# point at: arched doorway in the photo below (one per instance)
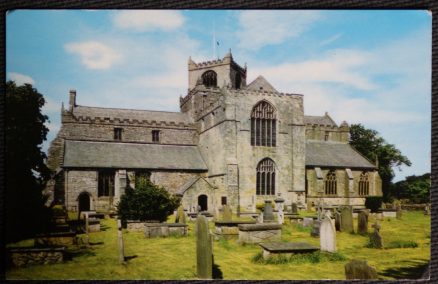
(84, 202)
(202, 202)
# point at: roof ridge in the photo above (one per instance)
(145, 110)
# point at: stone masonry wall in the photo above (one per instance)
(78, 182)
(171, 180)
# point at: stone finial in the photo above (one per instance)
(72, 99)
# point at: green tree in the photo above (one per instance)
(26, 172)
(414, 188)
(370, 144)
(146, 202)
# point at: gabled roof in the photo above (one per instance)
(86, 154)
(189, 184)
(334, 154)
(149, 115)
(260, 83)
(319, 120)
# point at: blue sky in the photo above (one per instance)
(370, 67)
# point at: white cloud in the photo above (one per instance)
(147, 20)
(20, 79)
(51, 107)
(260, 28)
(331, 39)
(94, 54)
(338, 66)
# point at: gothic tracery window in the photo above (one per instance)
(364, 184)
(209, 78)
(330, 185)
(265, 184)
(263, 125)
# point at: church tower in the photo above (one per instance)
(217, 73)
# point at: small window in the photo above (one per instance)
(224, 200)
(118, 134)
(155, 136)
(105, 183)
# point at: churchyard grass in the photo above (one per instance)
(175, 257)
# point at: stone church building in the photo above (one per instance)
(232, 142)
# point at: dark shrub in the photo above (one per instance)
(146, 202)
(373, 203)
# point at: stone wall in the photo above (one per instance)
(347, 189)
(319, 132)
(78, 182)
(171, 180)
(19, 257)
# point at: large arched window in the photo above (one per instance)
(263, 125)
(330, 183)
(364, 184)
(265, 177)
(209, 78)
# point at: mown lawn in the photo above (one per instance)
(175, 257)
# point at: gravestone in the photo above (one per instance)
(120, 242)
(279, 202)
(327, 235)
(309, 206)
(362, 223)
(337, 220)
(359, 269)
(260, 218)
(398, 212)
(307, 222)
(315, 228)
(227, 213)
(294, 208)
(204, 250)
(347, 219)
(87, 230)
(180, 215)
(375, 238)
(426, 210)
(268, 216)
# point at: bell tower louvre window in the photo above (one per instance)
(209, 78)
(263, 125)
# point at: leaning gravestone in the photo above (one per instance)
(227, 213)
(327, 235)
(180, 215)
(398, 212)
(315, 228)
(120, 242)
(359, 269)
(204, 250)
(337, 220)
(362, 223)
(375, 238)
(347, 219)
(268, 216)
(294, 208)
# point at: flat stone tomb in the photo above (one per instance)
(277, 248)
(229, 227)
(257, 233)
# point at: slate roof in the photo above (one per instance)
(319, 120)
(334, 154)
(132, 114)
(86, 154)
(261, 82)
